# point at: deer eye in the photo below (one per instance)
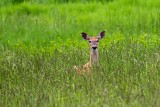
(97, 41)
(89, 41)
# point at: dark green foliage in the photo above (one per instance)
(18, 1)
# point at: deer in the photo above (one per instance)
(93, 46)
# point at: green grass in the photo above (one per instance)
(41, 42)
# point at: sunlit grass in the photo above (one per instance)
(40, 44)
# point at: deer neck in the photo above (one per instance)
(93, 57)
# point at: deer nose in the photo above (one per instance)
(95, 47)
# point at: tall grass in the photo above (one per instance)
(41, 42)
(128, 75)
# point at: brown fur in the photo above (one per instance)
(93, 44)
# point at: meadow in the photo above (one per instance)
(40, 42)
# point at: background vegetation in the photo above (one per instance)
(40, 42)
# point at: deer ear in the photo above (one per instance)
(85, 36)
(101, 35)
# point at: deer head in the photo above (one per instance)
(93, 41)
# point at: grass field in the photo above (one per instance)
(40, 42)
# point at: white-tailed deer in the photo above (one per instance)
(93, 44)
